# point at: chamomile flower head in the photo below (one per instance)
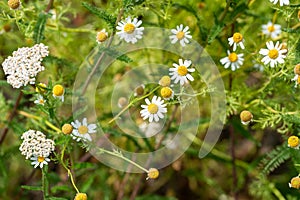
(153, 173)
(273, 55)
(40, 100)
(246, 117)
(129, 30)
(297, 69)
(81, 196)
(165, 81)
(294, 142)
(180, 34)
(233, 60)
(41, 88)
(167, 93)
(101, 36)
(295, 182)
(271, 30)
(236, 40)
(122, 102)
(14, 4)
(139, 90)
(67, 129)
(281, 2)
(180, 72)
(36, 144)
(39, 161)
(82, 130)
(24, 65)
(154, 110)
(58, 91)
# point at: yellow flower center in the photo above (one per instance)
(237, 37)
(180, 35)
(42, 101)
(299, 14)
(58, 90)
(101, 36)
(153, 173)
(165, 81)
(83, 129)
(233, 57)
(139, 90)
(271, 28)
(40, 159)
(67, 129)
(295, 182)
(273, 53)
(293, 141)
(182, 70)
(80, 196)
(129, 28)
(152, 108)
(14, 4)
(166, 92)
(298, 80)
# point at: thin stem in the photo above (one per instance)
(12, 115)
(89, 78)
(49, 6)
(64, 165)
(45, 183)
(234, 174)
(132, 103)
(222, 16)
(119, 155)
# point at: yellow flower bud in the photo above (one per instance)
(246, 117)
(14, 4)
(165, 81)
(297, 69)
(67, 129)
(80, 196)
(293, 142)
(153, 173)
(295, 183)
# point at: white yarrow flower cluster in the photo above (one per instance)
(36, 144)
(23, 66)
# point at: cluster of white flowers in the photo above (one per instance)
(35, 144)
(23, 66)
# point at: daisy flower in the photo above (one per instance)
(236, 40)
(154, 109)
(129, 30)
(101, 36)
(181, 34)
(83, 130)
(234, 60)
(40, 100)
(281, 2)
(58, 91)
(180, 73)
(274, 54)
(39, 161)
(272, 30)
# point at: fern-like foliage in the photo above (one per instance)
(274, 159)
(129, 4)
(38, 34)
(108, 18)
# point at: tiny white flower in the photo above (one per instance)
(129, 30)
(274, 54)
(272, 30)
(40, 100)
(180, 73)
(154, 109)
(101, 36)
(181, 34)
(83, 130)
(236, 40)
(39, 161)
(233, 60)
(281, 2)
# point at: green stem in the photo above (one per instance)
(119, 155)
(45, 183)
(132, 103)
